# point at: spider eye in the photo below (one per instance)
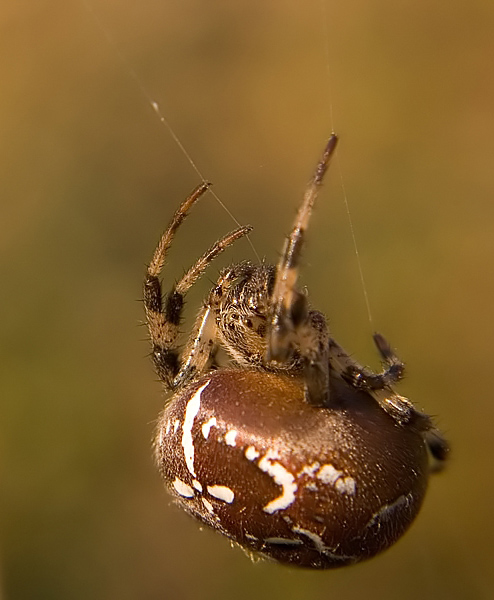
(314, 487)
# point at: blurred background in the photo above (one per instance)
(89, 178)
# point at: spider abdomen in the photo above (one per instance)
(242, 451)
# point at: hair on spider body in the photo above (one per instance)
(294, 451)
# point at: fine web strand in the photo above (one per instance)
(157, 110)
(355, 245)
(324, 10)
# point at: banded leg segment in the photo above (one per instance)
(378, 385)
(204, 340)
(363, 378)
(159, 256)
(289, 316)
(288, 305)
(157, 317)
(314, 350)
(163, 316)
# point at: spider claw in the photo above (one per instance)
(383, 346)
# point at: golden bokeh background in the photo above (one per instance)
(89, 178)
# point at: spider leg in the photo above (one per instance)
(438, 447)
(363, 378)
(313, 340)
(378, 385)
(159, 256)
(290, 325)
(201, 347)
(395, 367)
(153, 298)
(163, 315)
(288, 305)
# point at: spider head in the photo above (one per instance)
(242, 316)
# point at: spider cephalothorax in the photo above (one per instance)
(292, 449)
(242, 311)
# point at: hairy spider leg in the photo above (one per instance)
(159, 256)
(395, 367)
(363, 378)
(202, 343)
(157, 319)
(163, 317)
(313, 342)
(290, 319)
(438, 447)
(378, 385)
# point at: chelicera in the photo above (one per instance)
(291, 449)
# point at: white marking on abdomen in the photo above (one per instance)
(319, 544)
(251, 453)
(345, 485)
(283, 541)
(309, 469)
(387, 510)
(315, 539)
(230, 437)
(191, 411)
(182, 488)
(281, 477)
(206, 427)
(222, 493)
(161, 437)
(208, 505)
(328, 474)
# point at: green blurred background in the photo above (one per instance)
(89, 178)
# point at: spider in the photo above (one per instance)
(293, 450)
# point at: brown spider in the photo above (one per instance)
(315, 460)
